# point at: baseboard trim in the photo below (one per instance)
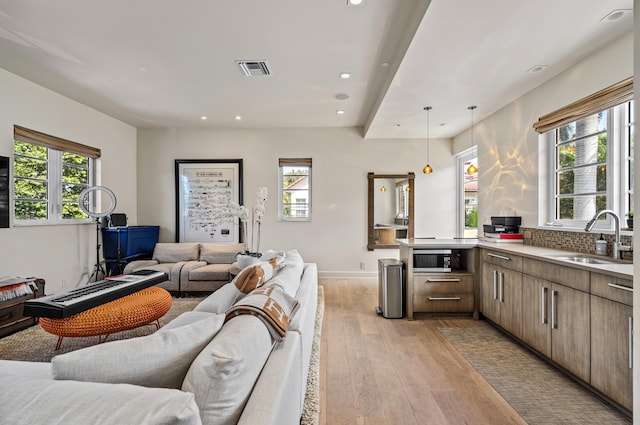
(348, 275)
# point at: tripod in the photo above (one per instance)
(97, 269)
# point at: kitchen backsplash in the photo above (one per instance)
(572, 241)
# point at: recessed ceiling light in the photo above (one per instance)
(537, 68)
(340, 112)
(354, 2)
(442, 124)
(396, 124)
(614, 15)
(384, 64)
(238, 117)
(345, 75)
(142, 69)
(342, 96)
(203, 118)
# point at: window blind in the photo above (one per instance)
(53, 142)
(306, 162)
(609, 97)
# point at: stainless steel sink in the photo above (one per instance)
(580, 259)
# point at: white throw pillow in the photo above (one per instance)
(27, 401)
(157, 360)
(224, 373)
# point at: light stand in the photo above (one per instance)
(89, 204)
(97, 268)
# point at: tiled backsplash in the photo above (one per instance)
(572, 241)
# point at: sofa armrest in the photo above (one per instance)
(138, 265)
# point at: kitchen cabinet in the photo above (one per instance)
(611, 337)
(501, 290)
(443, 292)
(556, 317)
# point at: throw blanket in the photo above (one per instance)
(14, 287)
(269, 304)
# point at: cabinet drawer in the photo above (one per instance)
(444, 283)
(499, 258)
(569, 276)
(612, 288)
(443, 303)
(11, 314)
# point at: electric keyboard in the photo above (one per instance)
(67, 304)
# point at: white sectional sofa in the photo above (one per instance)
(198, 369)
(192, 266)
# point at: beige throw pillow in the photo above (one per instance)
(158, 360)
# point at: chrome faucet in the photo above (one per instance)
(617, 245)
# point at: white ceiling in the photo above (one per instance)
(163, 63)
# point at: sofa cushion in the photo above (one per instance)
(174, 252)
(44, 401)
(138, 360)
(211, 272)
(224, 373)
(289, 273)
(220, 300)
(220, 253)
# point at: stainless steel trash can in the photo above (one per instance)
(390, 288)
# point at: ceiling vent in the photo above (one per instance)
(254, 68)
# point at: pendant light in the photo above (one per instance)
(383, 188)
(472, 168)
(427, 168)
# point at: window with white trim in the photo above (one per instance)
(590, 160)
(294, 177)
(49, 174)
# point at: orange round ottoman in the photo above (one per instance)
(129, 312)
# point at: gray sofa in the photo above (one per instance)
(199, 368)
(192, 266)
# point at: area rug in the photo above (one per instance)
(36, 345)
(537, 391)
(311, 410)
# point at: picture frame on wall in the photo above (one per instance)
(203, 188)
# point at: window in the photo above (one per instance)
(49, 174)
(295, 189)
(467, 196)
(589, 158)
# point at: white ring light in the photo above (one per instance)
(84, 201)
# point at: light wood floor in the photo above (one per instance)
(394, 371)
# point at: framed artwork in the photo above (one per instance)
(203, 188)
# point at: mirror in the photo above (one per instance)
(390, 209)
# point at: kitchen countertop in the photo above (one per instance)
(622, 269)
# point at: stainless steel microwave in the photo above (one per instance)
(431, 260)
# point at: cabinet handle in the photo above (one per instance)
(631, 342)
(623, 287)
(501, 278)
(443, 279)
(501, 257)
(444, 298)
(543, 305)
(495, 284)
(554, 323)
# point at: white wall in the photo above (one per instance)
(336, 238)
(508, 145)
(62, 253)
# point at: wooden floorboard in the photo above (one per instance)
(377, 371)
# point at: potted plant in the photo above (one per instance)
(630, 219)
